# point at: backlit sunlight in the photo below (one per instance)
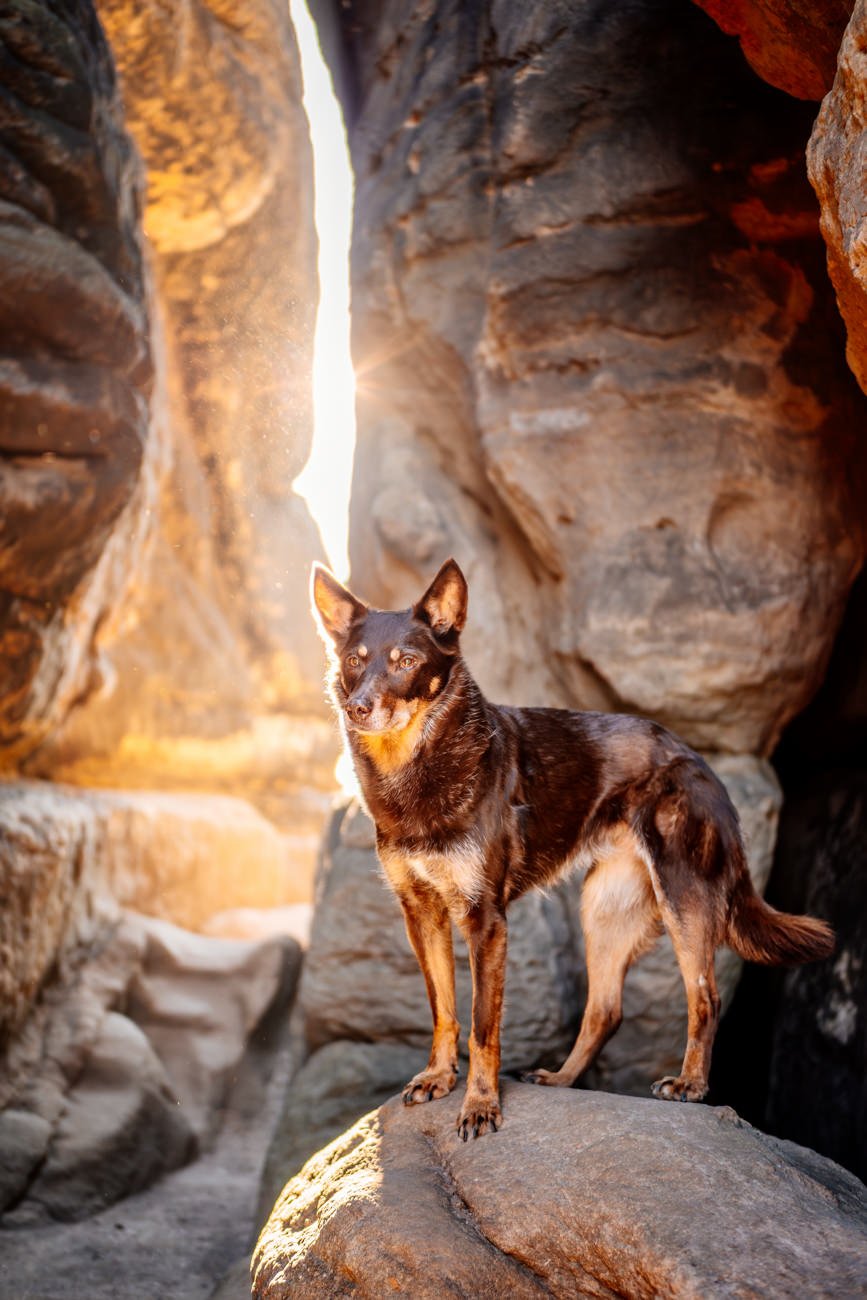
(324, 481)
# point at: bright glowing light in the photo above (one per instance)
(324, 481)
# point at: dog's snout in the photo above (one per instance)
(360, 710)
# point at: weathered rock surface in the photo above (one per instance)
(819, 1045)
(122, 1072)
(212, 680)
(69, 857)
(176, 1239)
(596, 359)
(75, 363)
(790, 43)
(579, 1194)
(363, 1011)
(835, 160)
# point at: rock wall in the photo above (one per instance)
(155, 389)
(213, 677)
(835, 159)
(597, 358)
(75, 364)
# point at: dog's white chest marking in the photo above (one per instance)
(457, 870)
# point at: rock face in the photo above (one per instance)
(75, 363)
(791, 45)
(213, 679)
(69, 858)
(835, 159)
(579, 1194)
(596, 359)
(96, 1103)
(364, 1014)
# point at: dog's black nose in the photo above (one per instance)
(360, 710)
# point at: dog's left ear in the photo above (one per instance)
(336, 609)
(444, 604)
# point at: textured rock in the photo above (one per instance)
(835, 160)
(68, 857)
(96, 1104)
(596, 359)
(120, 1129)
(198, 1000)
(75, 363)
(55, 901)
(819, 1047)
(790, 43)
(213, 677)
(579, 1193)
(185, 857)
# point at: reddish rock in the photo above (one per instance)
(836, 165)
(790, 43)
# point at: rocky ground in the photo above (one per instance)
(178, 1239)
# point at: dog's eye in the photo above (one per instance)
(408, 661)
(352, 661)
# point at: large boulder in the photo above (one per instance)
(579, 1194)
(76, 475)
(835, 159)
(597, 358)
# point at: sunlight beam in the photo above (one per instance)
(324, 482)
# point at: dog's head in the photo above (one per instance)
(390, 666)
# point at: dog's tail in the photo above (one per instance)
(758, 932)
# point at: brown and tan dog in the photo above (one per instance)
(475, 803)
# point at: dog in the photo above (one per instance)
(475, 803)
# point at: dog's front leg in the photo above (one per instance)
(484, 929)
(429, 929)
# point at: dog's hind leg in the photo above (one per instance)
(693, 934)
(621, 921)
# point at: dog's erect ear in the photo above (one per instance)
(336, 609)
(444, 604)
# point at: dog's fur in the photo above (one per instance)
(476, 803)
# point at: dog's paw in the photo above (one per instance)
(671, 1089)
(428, 1086)
(545, 1078)
(480, 1112)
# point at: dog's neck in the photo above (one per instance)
(431, 765)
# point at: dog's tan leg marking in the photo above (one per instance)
(694, 947)
(428, 926)
(485, 932)
(620, 920)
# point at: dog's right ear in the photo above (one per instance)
(335, 608)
